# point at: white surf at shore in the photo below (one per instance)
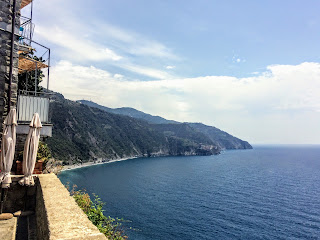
(89, 164)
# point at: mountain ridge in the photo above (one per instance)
(220, 138)
(128, 111)
(82, 133)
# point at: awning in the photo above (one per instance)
(25, 3)
(27, 64)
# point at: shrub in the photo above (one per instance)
(109, 226)
(43, 154)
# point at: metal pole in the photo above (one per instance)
(48, 80)
(48, 77)
(31, 23)
(11, 53)
(36, 80)
(26, 81)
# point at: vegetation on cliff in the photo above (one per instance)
(87, 131)
(81, 133)
(107, 225)
(218, 137)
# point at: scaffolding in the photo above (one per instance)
(25, 3)
(33, 57)
(28, 61)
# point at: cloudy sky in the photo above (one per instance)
(251, 68)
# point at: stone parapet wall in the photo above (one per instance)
(58, 215)
(5, 47)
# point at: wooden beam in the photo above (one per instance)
(28, 64)
(25, 3)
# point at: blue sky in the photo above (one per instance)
(251, 68)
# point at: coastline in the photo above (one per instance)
(98, 162)
(89, 164)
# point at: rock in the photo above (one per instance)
(17, 214)
(23, 213)
(6, 216)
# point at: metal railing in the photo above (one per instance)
(26, 31)
(43, 55)
(29, 104)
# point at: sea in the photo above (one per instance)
(269, 192)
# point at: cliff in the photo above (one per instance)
(82, 133)
(217, 137)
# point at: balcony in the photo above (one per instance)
(30, 103)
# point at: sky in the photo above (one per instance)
(251, 68)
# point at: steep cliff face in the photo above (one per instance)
(220, 138)
(131, 112)
(217, 137)
(81, 133)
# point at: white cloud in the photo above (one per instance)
(255, 73)
(134, 43)
(146, 71)
(269, 107)
(118, 76)
(82, 50)
(75, 48)
(237, 59)
(95, 42)
(170, 67)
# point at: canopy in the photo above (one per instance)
(30, 151)
(25, 3)
(28, 64)
(8, 147)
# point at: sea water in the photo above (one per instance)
(270, 192)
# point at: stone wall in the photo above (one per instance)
(58, 215)
(5, 47)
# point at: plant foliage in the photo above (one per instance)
(43, 154)
(27, 80)
(109, 226)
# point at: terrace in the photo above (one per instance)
(34, 58)
(45, 210)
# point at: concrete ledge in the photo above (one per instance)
(46, 130)
(58, 215)
(8, 229)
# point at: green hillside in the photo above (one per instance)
(83, 133)
(218, 137)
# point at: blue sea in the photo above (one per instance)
(270, 192)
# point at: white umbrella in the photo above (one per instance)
(30, 151)
(8, 147)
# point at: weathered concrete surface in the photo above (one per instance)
(8, 229)
(58, 215)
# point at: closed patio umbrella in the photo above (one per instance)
(8, 145)
(7, 148)
(30, 151)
